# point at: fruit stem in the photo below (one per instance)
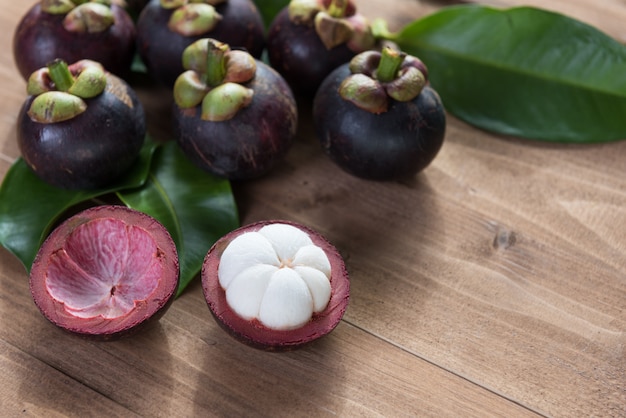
(390, 62)
(337, 8)
(216, 63)
(60, 75)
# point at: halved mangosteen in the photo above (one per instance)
(105, 272)
(275, 285)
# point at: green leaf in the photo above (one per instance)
(195, 207)
(29, 207)
(523, 71)
(269, 9)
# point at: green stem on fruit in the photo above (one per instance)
(390, 62)
(216, 63)
(337, 8)
(214, 78)
(60, 75)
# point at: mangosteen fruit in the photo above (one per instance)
(378, 118)
(80, 127)
(233, 116)
(275, 285)
(166, 27)
(74, 30)
(309, 38)
(105, 273)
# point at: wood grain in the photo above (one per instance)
(494, 284)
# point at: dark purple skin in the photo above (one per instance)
(298, 54)
(40, 38)
(90, 150)
(161, 49)
(393, 145)
(253, 141)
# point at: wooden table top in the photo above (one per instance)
(493, 285)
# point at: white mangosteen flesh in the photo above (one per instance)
(276, 275)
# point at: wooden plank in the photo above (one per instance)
(492, 285)
(503, 263)
(187, 366)
(36, 389)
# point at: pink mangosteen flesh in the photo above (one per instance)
(105, 272)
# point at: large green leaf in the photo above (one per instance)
(523, 71)
(30, 207)
(196, 207)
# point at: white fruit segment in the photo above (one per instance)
(276, 275)
(104, 268)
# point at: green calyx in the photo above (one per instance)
(61, 7)
(89, 82)
(215, 76)
(365, 92)
(39, 82)
(56, 106)
(378, 77)
(189, 89)
(175, 4)
(81, 16)
(224, 101)
(336, 22)
(57, 7)
(192, 18)
(82, 80)
(333, 31)
(172, 4)
(303, 11)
